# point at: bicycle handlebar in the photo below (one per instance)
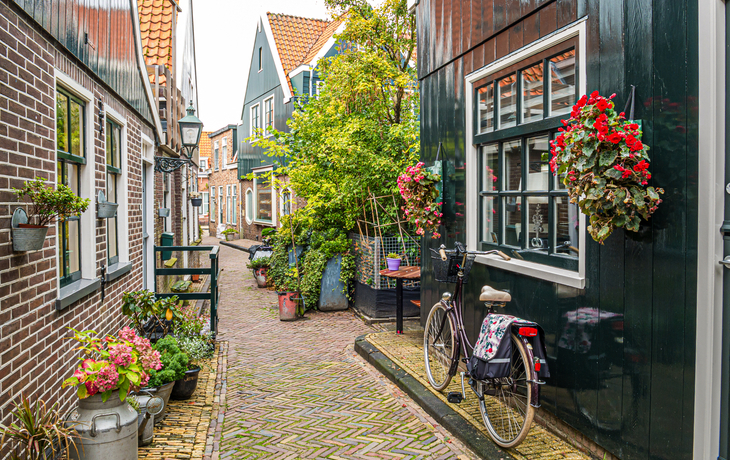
(442, 252)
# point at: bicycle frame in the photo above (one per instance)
(455, 308)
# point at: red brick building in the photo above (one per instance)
(204, 156)
(225, 201)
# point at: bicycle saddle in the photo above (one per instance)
(489, 294)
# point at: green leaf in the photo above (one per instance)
(81, 392)
(614, 174)
(105, 395)
(608, 157)
(652, 193)
(603, 233)
(620, 221)
(633, 225)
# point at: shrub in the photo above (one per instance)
(174, 362)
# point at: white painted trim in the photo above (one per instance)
(122, 186)
(277, 59)
(253, 211)
(556, 275)
(711, 123)
(328, 45)
(298, 70)
(273, 197)
(281, 202)
(87, 172)
(142, 66)
(148, 163)
(250, 118)
(273, 116)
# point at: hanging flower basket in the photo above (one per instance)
(418, 188)
(605, 167)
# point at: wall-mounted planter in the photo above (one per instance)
(26, 237)
(105, 209)
(196, 202)
(163, 212)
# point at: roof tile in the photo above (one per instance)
(155, 17)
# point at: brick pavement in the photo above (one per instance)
(298, 390)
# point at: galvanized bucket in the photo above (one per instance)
(107, 430)
(106, 210)
(29, 238)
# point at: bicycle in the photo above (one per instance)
(509, 414)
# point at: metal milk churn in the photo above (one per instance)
(108, 429)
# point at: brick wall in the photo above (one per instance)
(224, 177)
(34, 358)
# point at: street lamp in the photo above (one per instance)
(190, 130)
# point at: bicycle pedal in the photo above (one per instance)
(455, 397)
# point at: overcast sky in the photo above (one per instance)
(224, 34)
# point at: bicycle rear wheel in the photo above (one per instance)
(509, 413)
(438, 347)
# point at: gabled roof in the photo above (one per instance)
(206, 146)
(156, 27)
(298, 40)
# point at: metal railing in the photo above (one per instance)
(213, 271)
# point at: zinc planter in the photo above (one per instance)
(393, 264)
(26, 237)
(163, 391)
(332, 292)
(108, 430)
(288, 302)
(163, 212)
(196, 202)
(105, 209)
(185, 387)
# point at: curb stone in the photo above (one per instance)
(449, 419)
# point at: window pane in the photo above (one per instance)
(117, 146)
(490, 219)
(513, 221)
(77, 134)
(109, 143)
(538, 172)
(112, 236)
(508, 101)
(537, 218)
(72, 247)
(512, 165)
(490, 159)
(567, 226)
(72, 177)
(562, 83)
(111, 188)
(286, 203)
(249, 204)
(486, 108)
(62, 122)
(532, 94)
(263, 200)
(235, 210)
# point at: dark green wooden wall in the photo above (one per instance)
(633, 391)
(108, 23)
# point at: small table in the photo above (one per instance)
(404, 273)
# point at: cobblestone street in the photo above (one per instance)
(298, 390)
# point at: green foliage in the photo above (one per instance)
(197, 349)
(229, 231)
(393, 255)
(48, 203)
(353, 139)
(36, 429)
(604, 165)
(141, 307)
(261, 262)
(181, 286)
(174, 363)
(418, 187)
(132, 401)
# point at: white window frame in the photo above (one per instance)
(266, 127)
(249, 209)
(212, 206)
(252, 128)
(282, 203)
(87, 187)
(224, 153)
(234, 209)
(122, 186)
(228, 204)
(536, 270)
(274, 220)
(261, 59)
(216, 156)
(206, 202)
(203, 164)
(221, 198)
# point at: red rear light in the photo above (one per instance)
(527, 331)
(537, 366)
(617, 325)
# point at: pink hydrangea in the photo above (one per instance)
(121, 354)
(107, 378)
(150, 360)
(127, 334)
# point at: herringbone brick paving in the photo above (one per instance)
(298, 390)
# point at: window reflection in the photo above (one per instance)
(562, 82)
(508, 101)
(486, 108)
(532, 94)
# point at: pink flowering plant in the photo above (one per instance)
(113, 363)
(418, 188)
(605, 166)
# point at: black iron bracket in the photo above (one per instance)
(168, 165)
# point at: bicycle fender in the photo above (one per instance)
(535, 397)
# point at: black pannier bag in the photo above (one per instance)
(498, 366)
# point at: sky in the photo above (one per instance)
(224, 35)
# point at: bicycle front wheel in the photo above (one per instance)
(438, 347)
(509, 413)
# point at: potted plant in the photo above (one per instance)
(393, 261)
(195, 199)
(418, 187)
(288, 292)
(197, 348)
(174, 365)
(110, 369)
(229, 231)
(260, 267)
(600, 158)
(38, 433)
(46, 204)
(150, 317)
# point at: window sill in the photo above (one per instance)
(75, 291)
(535, 270)
(115, 271)
(267, 224)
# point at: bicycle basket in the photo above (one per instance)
(448, 271)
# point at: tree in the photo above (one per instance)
(362, 130)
